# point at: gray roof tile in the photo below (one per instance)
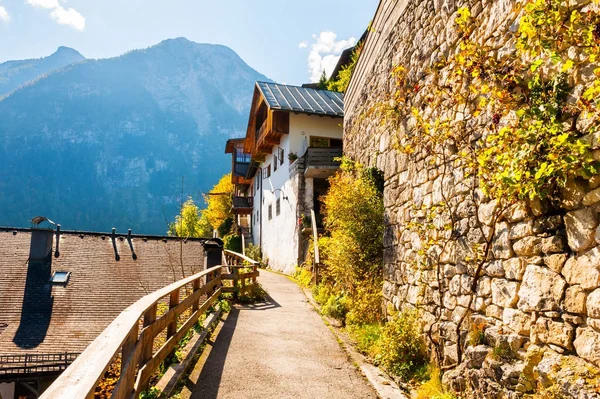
(302, 99)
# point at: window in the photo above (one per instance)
(278, 207)
(270, 212)
(267, 172)
(280, 155)
(275, 163)
(257, 184)
(324, 142)
(60, 277)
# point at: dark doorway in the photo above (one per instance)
(320, 188)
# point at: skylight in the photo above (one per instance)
(60, 277)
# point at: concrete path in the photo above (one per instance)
(279, 348)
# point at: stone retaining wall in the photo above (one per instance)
(537, 300)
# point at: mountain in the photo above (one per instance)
(14, 74)
(105, 143)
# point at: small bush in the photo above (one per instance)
(433, 388)
(303, 276)
(254, 253)
(321, 293)
(254, 294)
(225, 305)
(233, 243)
(476, 334)
(402, 347)
(367, 338)
(336, 307)
(501, 352)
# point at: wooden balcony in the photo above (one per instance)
(321, 162)
(242, 205)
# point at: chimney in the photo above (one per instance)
(41, 245)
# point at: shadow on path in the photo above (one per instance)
(208, 383)
(268, 303)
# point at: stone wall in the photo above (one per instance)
(537, 299)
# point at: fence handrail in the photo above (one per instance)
(80, 379)
(238, 255)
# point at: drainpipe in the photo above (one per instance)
(260, 209)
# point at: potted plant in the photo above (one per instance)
(306, 222)
(292, 156)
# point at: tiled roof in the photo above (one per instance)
(302, 99)
(40, 317)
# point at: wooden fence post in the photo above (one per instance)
(148, 344)
(173, 301)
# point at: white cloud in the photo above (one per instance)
(43, 3)
(4, 16)
(69, 16)
(325, 52)
(63, 16)
(303, 45)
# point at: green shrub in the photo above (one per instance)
(255, 293)
(254, 253)
(336, 307)
(303, 276)
(367, 338)
(225, 305)
(321, 293)
(233, 243)
(402, 348)
(352, 250)
(433, 389)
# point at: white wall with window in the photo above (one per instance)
(280, 232)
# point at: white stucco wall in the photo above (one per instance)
(280, 234)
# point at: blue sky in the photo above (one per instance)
(278, 38)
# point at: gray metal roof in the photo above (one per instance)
(302, 99)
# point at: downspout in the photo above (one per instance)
(260, 210)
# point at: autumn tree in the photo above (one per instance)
(219, 203)
(191, 222)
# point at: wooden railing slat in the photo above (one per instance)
(81, 378)
(153, 363)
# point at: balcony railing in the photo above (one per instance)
(316, 156)
(243, 202)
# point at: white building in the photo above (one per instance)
(294, 135)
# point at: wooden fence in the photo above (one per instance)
(132, 334)
(243, 272)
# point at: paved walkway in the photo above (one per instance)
(279, 348)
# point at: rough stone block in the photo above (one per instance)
(502, 247)
(584, 270)
(475, 355)
(487, 211)
(494, 268)
(517, 212)
(593, 304)
(575, 298)
(555, 261)
(541, 290)
(572, 194)
(548, 331)
(581, 225)
(494, 311)
(517, 321)
(520, 230)
(554, 245)
(504, 293)
(592, 197)
(587, 344)
(514, 268)
(528, 246)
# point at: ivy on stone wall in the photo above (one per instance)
(498, 125)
